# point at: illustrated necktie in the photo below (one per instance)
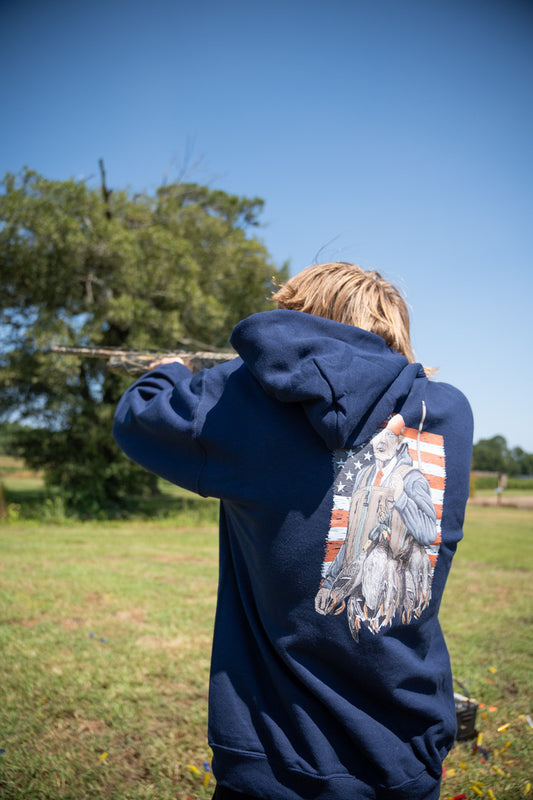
(377, 479)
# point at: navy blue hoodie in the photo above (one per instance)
(343, 475)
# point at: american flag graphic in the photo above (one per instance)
(427, 452)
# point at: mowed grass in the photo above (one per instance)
(105, 642)
(487, 619)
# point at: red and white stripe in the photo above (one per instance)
(433, 467)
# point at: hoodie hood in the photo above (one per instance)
(347, 380)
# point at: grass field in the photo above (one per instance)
(487, 618)
(105, 640)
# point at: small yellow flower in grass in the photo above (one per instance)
(103, 758)
(493, 670)
(503, 727)
(194, 770)
(491, 794)
(527, 788)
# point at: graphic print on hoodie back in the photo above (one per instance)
(384, 535)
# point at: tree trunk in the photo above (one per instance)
(3, 504)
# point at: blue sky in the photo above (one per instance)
(397, 134)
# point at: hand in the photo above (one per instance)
(322, 601)
(167, 360)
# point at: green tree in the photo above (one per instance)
(493, 455)
(523, 461)
(84, 265)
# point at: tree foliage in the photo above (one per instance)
(90, 267)
(493, 455)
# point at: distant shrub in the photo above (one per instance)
(47, 504)
(484, 481)
(523, 484)
(490, 482)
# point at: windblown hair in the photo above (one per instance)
(347, 293)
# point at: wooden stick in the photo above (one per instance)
(136, 362)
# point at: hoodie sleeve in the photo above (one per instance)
(157, 424)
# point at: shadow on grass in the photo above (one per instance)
(186, 505)
(46, 505)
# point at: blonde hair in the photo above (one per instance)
(347, 293)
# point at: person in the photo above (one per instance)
(325, 392)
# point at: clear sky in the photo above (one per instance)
(397, 134)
